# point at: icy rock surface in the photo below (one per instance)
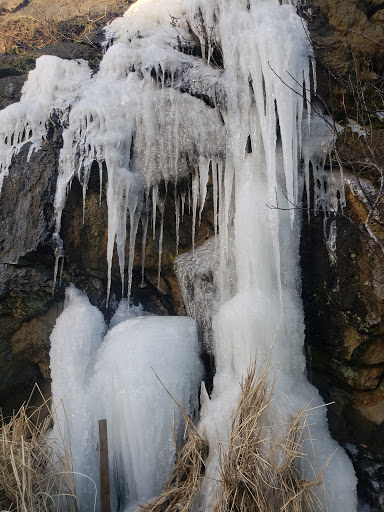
(54, 83)
(116, 378)
(208, 91)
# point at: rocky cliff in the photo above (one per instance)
(343, 291)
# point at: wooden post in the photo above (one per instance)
(105, 498)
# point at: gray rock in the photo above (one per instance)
(10, 89)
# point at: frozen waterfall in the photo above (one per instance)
(123, 377)
(215, 92)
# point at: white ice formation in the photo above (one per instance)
(117, 376)
(211, 90)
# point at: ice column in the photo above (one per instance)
(124, 377)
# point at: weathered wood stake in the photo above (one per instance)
(105, 497)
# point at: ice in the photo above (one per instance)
(53, 85)
(195, 272)
(124, 377)
(112, 128)
(161, 236)
(264, 308)
(319, 135)
(125, 311)
(144, 222)
(136, 405)
(192, 93)
(75, 340)
(330, 237)
(355, 127)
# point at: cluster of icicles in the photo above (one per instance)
(120, 130)
(213, 90)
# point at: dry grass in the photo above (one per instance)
(40, 23)
(35, 473)
(260, 466)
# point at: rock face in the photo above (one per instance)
(346, 33)
(343, 291)
(343, 295)
(344, 341)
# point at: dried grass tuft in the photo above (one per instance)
(260, 466)
(35, 473)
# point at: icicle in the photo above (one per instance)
(307, 85)
(121, 234)
(59, 258)
(143, 246)
(341, 189)
(177, 216)
(307, 186)
(101, 182)
(210, 51)
(173, 78)
(330, 238)
(161, 208)
(220, 179)
(84, 197)
(61, 270)
(204, 175)
(182, 205)
(162, 67)
(228, 189)
(155, 198)
(195, 200)
(134, 221)
(176, 137)
(215, 197)
(314, 75)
